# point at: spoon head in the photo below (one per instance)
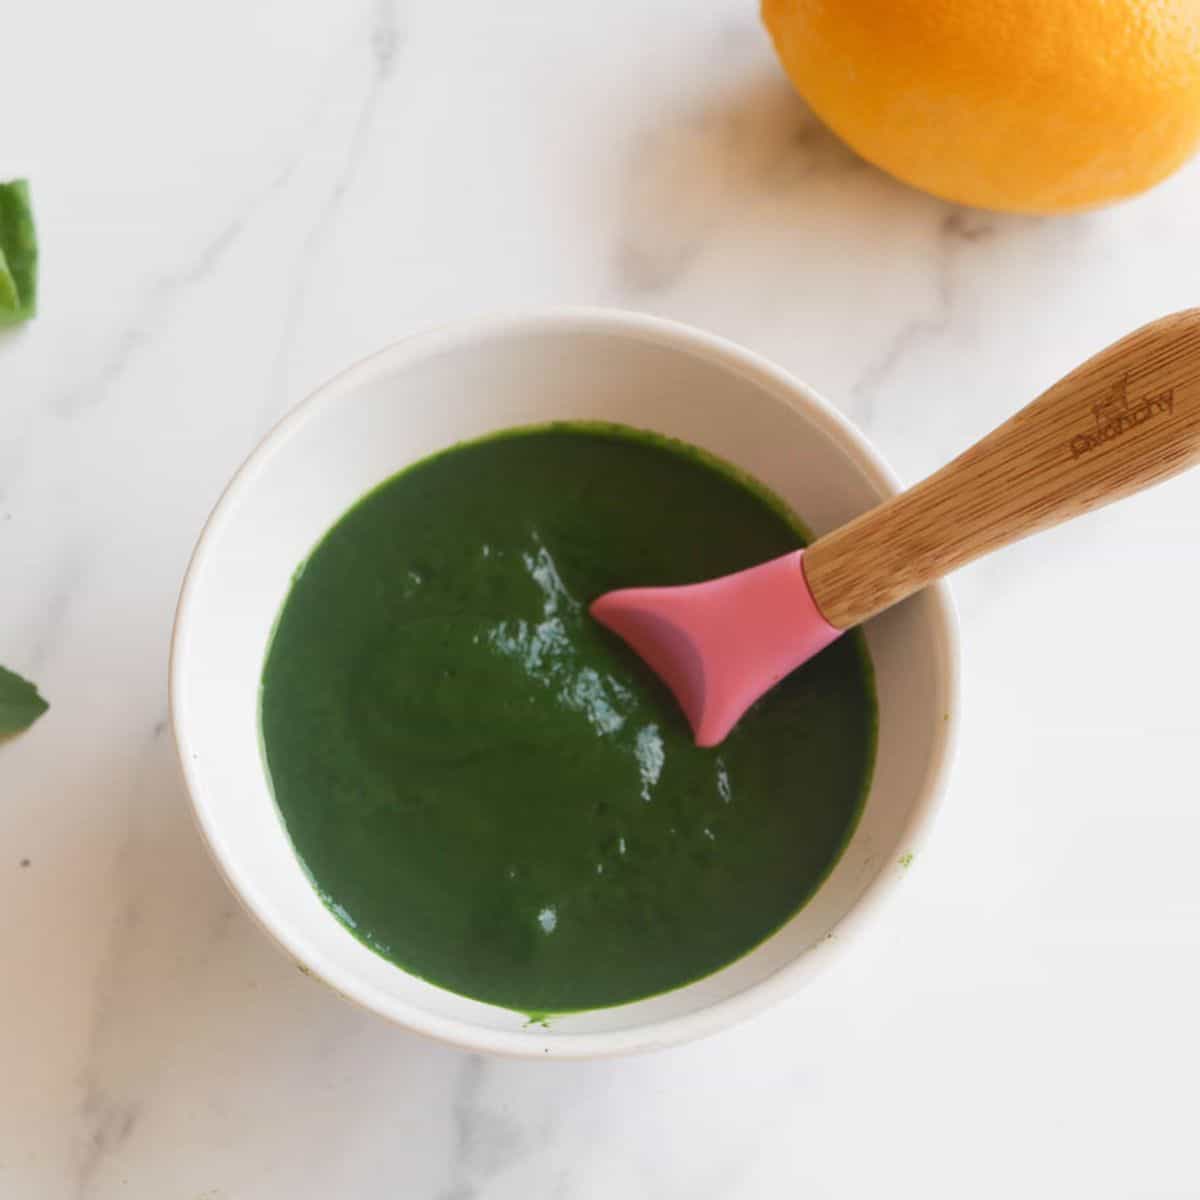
(720, 645)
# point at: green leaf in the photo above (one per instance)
(18, 254)
(20, 704)
(10, 301)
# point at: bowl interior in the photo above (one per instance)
(431, 392)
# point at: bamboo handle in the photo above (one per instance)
(1125, 419)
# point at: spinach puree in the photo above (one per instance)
(494, 792)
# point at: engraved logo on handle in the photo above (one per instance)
(1115, 414)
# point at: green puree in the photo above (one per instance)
(494, 792)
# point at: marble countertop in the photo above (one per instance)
(235, 200)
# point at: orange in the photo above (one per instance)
(1026, 105)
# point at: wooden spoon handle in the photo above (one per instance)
(1126, 418)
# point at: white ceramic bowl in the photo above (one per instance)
(432, 391)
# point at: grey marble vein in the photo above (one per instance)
(386, 37)
(105, 1120)
(385, 41)
(108, 1113)
(161, 296)
(64, 587)
(701, 173)
(485, 1141)
(957, 227)
(132, 988)
(155, 309)
(108, 1124)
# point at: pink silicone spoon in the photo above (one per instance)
(1125, 419)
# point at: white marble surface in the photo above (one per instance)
(240, 197)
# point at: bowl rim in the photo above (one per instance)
(719, 352)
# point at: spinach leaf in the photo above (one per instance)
(20, 704)
(18, 254)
